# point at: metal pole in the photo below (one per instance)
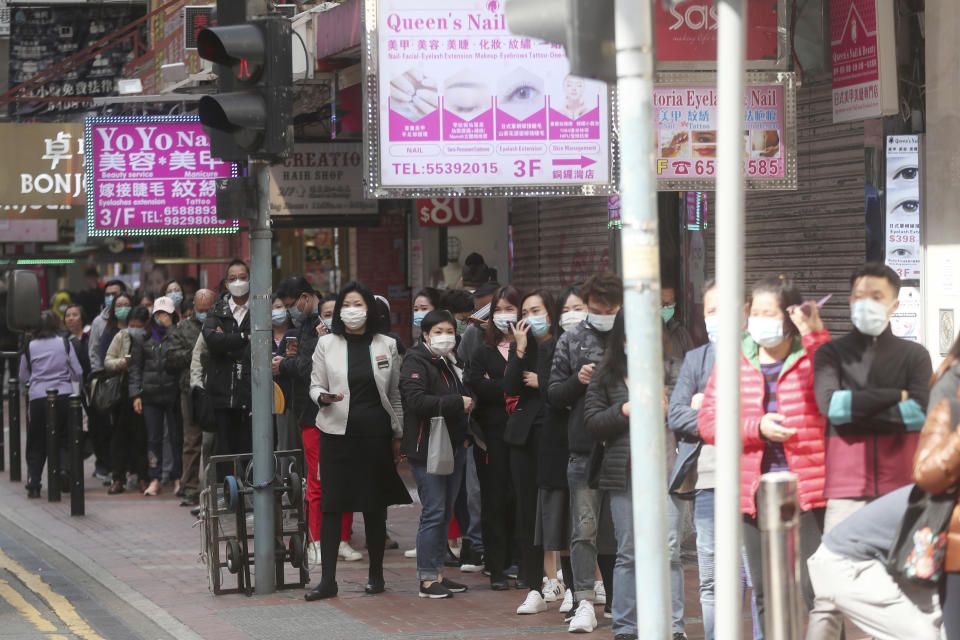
(3, 455)
(729, 268)
(76, 456)
(640, 253)
(53, 448)
(779, 510)
(264, 557)
(13, 413)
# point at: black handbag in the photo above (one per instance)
(108, 393)
(203, 414)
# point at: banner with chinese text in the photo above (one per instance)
(904, 221)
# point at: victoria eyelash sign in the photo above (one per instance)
(460, 106)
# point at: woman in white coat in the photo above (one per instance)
(356, 373)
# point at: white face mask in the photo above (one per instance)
(570, 319)
(239, 288)
(443, 344)
(504, 320)
(869, 317)
(712, 324)
(602, 323)
(766, 332)
(353, 317)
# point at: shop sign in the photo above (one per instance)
(462, 107)
(196, 19)
(152, 176)
(320, 179)
(686, 128)
(44, 177)
(904, 226)
(864, 59)
(449, 212)
(687, 35)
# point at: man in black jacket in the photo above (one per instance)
(226, 332)
(574, 364)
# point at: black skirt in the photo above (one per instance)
(358, 474)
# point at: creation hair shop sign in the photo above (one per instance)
(686, 125)
(152, 176)
(459, 106)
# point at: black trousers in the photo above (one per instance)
(37, 438)
(523, 468)
(493, 471)
(234, 435)
(128, 443)
(101, 426)
(375, 530)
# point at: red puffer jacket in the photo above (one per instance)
(796, 400)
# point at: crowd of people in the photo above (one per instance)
(511, 409)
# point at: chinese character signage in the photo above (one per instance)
(196, 19)
(902, 242)
(41, 175)
(320, 179)
(864, 59)
(687, 34)
(460, 106)
(686, 128)
(152, 175)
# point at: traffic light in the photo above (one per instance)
(252, 115)
(583, 27)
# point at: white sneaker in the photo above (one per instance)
(533, 604)
(553, 590)
(600, 591)
(410, 553)
(585, 619)
(567, 603)
(348, 553)
(313, 554)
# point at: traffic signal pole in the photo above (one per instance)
(261, 350)
(731, 51)
(633, 22)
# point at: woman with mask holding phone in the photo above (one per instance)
(781, 426)
(355, 383)
(174, 290)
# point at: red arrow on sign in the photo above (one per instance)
(582, 161)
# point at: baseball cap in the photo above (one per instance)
(163, 303)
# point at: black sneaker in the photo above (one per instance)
(454, 587)
(451, 560)
(512, 572)
(435, 591)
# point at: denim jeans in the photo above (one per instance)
(624, 606)
(703, 502)
(474, 531)
(677, 509)
(437, 495)
(587, 514)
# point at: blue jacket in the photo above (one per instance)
(681, 417)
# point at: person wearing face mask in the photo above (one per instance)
(472, 337)
(460, 304)
(431, 385)
(296, 365)
(128, 443)
(523, 433)
(484, 375)
(782, 428)
(101, 425)
(279, 321)
(174, 290)
(155, 392)
(179, 353)
(113, 289)
(73, 320)
(592, 543)
(424, 302)
(226, 332)
(355, 383)
(872, 387)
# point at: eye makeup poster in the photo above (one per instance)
(903, 224)
(464, 102)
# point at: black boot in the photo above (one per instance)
(321, 592)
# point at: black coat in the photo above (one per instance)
(297, 369)
(554, 454)
(228, 369)
(530, 403)
(429, 388)
(149, 378)
(604, 420)
(484, 376)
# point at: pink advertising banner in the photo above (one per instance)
(465, 104)
(152, 175)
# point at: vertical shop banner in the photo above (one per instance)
(863, 59)
(320, 179)
(44, 177)
(686, 125)
(460, 106)
(904, 221)
(152, 176)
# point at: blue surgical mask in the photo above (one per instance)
(869, 317)
(296, 316)
(328, 322)
(667, 311)
(713, 327)
(121, 313)
(108, 301)
(136, 333)
(602, 323)
(200, 315)
(278, 317)
(177, 298)
(418, 317)
(766, 332)
(539, 326)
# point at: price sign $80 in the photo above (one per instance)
(445, 212)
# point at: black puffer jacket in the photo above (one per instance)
(298, 369)
(579, 346)
(228, 371)
(604, 420)
(149, 378)
(429, 387)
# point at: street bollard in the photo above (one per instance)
(779, 511)
(13, 418)
(76, 456)
(53, 449)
